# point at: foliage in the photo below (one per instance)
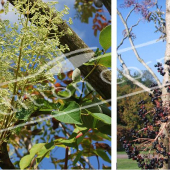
(44, 107)
(85, 10)
(105, 41)
(122, 131)
(127, 107)
(105, 34)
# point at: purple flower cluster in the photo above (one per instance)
(132, 35)
(128, 3)
(142, 8)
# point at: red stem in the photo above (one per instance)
(81, 134)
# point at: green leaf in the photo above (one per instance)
(104, 107)
(90, 121)
(102, 154)
(92, 109)
(76, 76)
(105, 37)
(77, 158)
(47, 106)
(41, 150)
(36, 148)
(67, 93)
(71, 113)
(105, 136)
(105, 110)
(104, 60)
(24, 114)
(25, 161)
(66, 142)
(61, 76)
(104, 118)
(44, 152)
(46, 148)
(81, 128)
(106, 129)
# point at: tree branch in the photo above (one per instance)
(134, 81)
(134, 25)
(17, 153)
(130, 13)
(66, 158)
(87, 161)
(127, 35)
(121, 42)
(128, 76)
(135, 51)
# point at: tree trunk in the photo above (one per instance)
(166, 78)
(101, 84)
(5, 162)
(107, 4)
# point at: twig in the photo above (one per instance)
(98, 162)
(130, 13)
(121, 42)
(87, 161)
(128, 76)
(135, 51)
(18, 154)
(66, 158)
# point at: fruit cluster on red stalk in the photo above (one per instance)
(150, 137)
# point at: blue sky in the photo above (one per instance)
(144, 33)
(86, 34)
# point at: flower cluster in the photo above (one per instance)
(142, 8)
(132, 35)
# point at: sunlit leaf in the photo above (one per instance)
(70, 114)
(76, 76)
(105, 37)
(104, 60)
(25, 161)
(104, 118)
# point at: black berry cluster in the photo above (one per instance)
(167, 62)
(168, 86)
(152, 120)
(160, 68)
(152, 163)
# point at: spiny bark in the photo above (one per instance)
(74, 42)
(166, 78)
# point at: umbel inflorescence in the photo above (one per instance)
(150, 138)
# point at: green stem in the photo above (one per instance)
(90, 72)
